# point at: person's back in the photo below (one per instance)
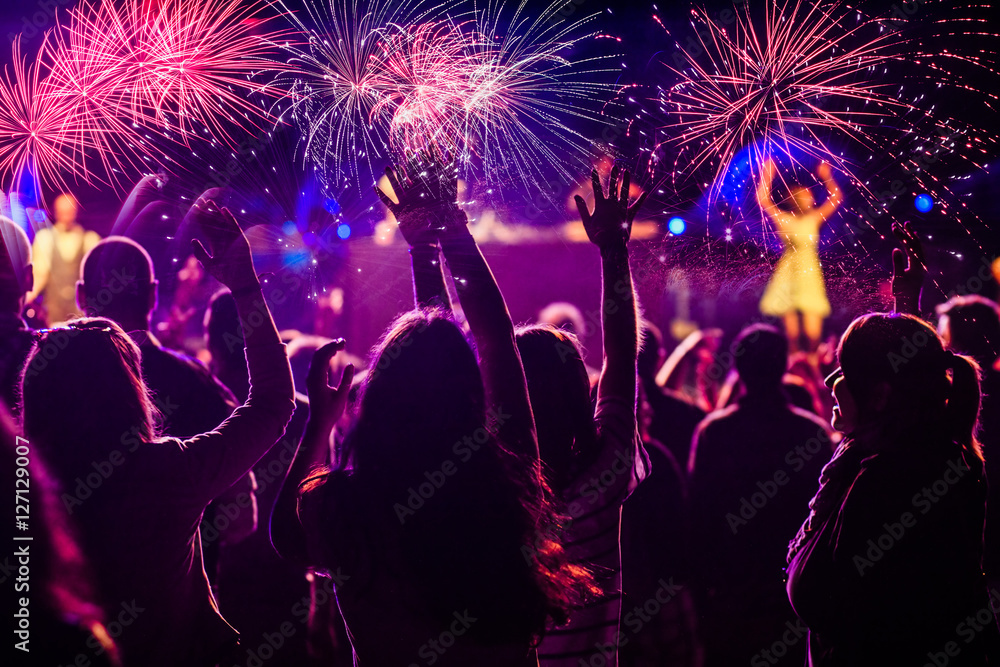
(654, 568)
(971, 325)
(139, 499)
(754, 466)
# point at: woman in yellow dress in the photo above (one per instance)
(796, 286)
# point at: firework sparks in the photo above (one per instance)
(40, 133)
(805, 85)
(120, 68)
(499, 89)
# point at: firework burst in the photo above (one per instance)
(498, 88)
(814, 79)
(41, 133)
(121, 72)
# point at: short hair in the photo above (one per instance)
(761, 355)
(116, 275)
(973, 326)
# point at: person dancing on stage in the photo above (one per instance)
(796, 286)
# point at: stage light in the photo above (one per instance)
(289, 228)
(344, 231)
(676, 226)
(924, 203)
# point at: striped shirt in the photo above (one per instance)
(594, 503)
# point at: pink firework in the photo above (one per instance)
(176, 64)
(40, 133)
(424, 80)
(812, 78)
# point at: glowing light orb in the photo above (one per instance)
(923, 203)
(677, 226)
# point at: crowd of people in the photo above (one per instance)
(474, 494)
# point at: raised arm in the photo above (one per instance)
(215, 460)
(326, 405)
(833, 194)
(767, 172)
(417, 225)
(609, 228)
(908, 270)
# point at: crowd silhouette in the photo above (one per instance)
(475, 494)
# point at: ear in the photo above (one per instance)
(153, 292)
(81, 297)
(28, 282)
(880, 396)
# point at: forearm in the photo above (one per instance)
(482, 301)
(493, 331)
(287, 534)
(429, 288)
(620, 327)
(258, 326)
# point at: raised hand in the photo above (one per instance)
(426, 189)
(610, 225)
(909, 268)
(230, 262)
(326, 403)
(824, 171)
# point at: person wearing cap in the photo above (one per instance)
(887, 568)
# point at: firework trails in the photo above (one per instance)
(121, 66)
(496, 87)
(806, 82)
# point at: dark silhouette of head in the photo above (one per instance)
(82, 392)
(903, 381)
(424, 385)
(16, 278)
(761, 357)
(559, 388)
(117, 282)
(224, 340)
(971, 325)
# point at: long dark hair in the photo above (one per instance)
(479, 541)
(560, 400)
(931, 390)
(82, 391)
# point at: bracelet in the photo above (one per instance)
(248, 290)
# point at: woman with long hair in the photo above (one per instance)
(887, 569)
(136, 498)
(433, 521)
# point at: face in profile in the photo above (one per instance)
(845, 411)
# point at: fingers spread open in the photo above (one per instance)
(581, 206)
